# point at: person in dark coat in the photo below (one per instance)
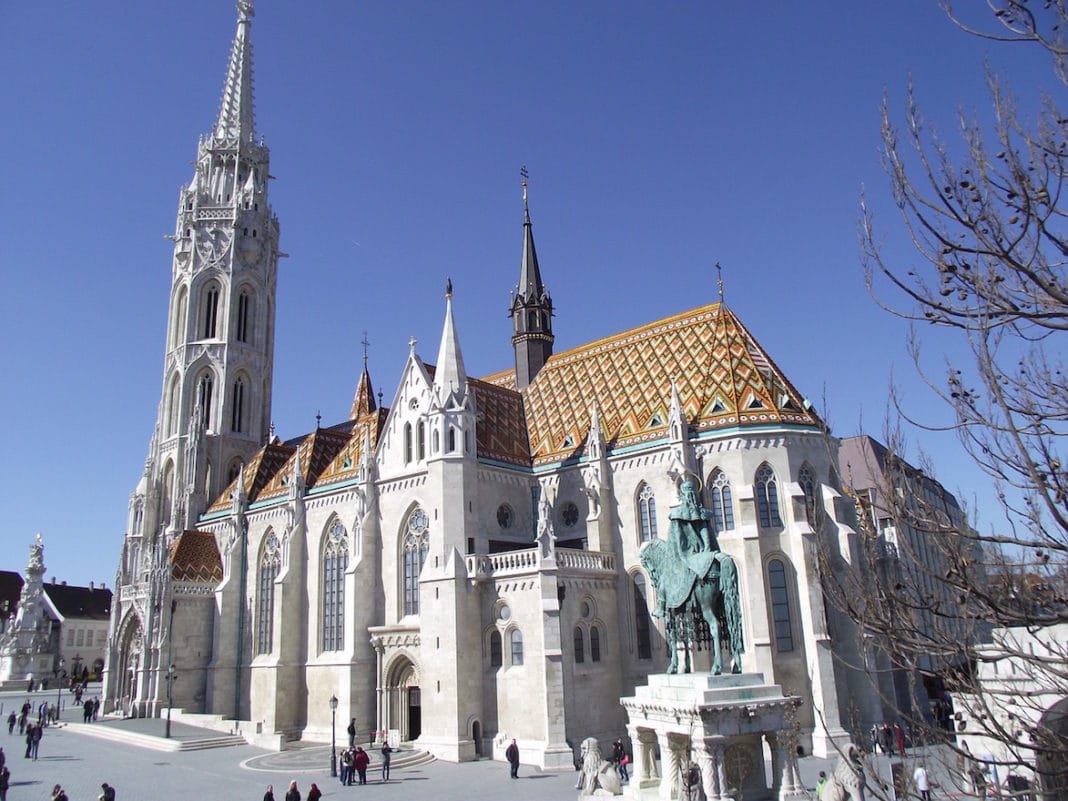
(352, 732)
(293, 794)
(512, 755)
(386, 754)
(269, 795)
(5, 782)
(314, 794)
(360, 762)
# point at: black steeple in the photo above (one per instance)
(532, 309)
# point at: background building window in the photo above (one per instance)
(416, 545)
(269, 565)
(517, 647)
(335, 561)
(641, 619)
(496, 655)
(580, 646)
(595, 644)
(719, 490)
(780, 606)
(767, 493)
(806, 478)
(647, 513)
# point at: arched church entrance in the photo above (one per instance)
(476, 735)
(131, 655)
(403, 701)
(1052, 765)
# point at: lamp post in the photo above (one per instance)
(172, 673)
(59, 690)
(333, 736)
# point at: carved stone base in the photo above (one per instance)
(717, 724)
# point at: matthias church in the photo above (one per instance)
(458, 567)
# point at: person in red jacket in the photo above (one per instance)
(360, 763)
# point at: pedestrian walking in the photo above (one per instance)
(821, 783)
(38, 733)
(619, 756)
(3, 758)
(58, 794)
(29, 740)
(360, 761)
(512, 755)
(12, 719)
(293, 794)
(923, 783)
(314, 794)
(899, 738)
(5, 782)
(386, 755)
(346, 767)
(107, 793)
(352, 732)
(269, 795)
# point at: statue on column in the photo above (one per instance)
(696, 585)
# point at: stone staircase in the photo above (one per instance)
(155, 741)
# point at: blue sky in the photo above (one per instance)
(660, 139)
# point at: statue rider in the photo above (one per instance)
(691, 541)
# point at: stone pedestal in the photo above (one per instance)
(720, 725)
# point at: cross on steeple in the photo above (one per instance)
(525, 176)
(719, 281)
(366, 344)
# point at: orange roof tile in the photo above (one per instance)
(195, 557)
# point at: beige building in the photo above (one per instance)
(459, 565)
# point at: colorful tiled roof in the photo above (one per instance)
(725, 379)
(257, 474)
(316, 451)
(501, 428)
(195, 557)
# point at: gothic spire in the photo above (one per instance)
(236, 114)
(449, 375)
(532, 308)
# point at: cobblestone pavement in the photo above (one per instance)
(80, 763)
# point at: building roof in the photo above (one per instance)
(68, 601)
(10, 593)
(725, 379)
(195, 557)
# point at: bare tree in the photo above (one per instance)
(986, 215)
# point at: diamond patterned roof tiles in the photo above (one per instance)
(724, 379)
(195, 557)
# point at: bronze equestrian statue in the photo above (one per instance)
(695, 581)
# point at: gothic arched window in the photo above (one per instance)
(205, 392)
(719, 490)
(496, 654)
(517, 647)
(335, 561)
(174, 404)
(237, 413)
(780, 605)
(420, 441)
(244, 316)
(647, 513)
(806, 478)
(407, 442)
(181, 303)
(641, 619)
(269, 564)
(452, 439)
(416, 545)
(595, 644)
(580, 646)
(767, 496)
(210, 312)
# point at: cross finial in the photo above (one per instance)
(719, 281)
(245, 10)
(365, 344)
(411, 344)
(523, 173)
(318, 419)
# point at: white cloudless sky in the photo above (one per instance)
(660, 138)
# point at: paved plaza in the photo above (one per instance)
(74, 758)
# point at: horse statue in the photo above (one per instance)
(695, 582)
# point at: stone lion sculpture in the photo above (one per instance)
(599, 776)
(847, 782)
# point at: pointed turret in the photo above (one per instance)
(236, 119)
(364, 400)
(532, 309)
(450, 380)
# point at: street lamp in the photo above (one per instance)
(172, 676)
(333, 736)
(59, 690)
(172, 673)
